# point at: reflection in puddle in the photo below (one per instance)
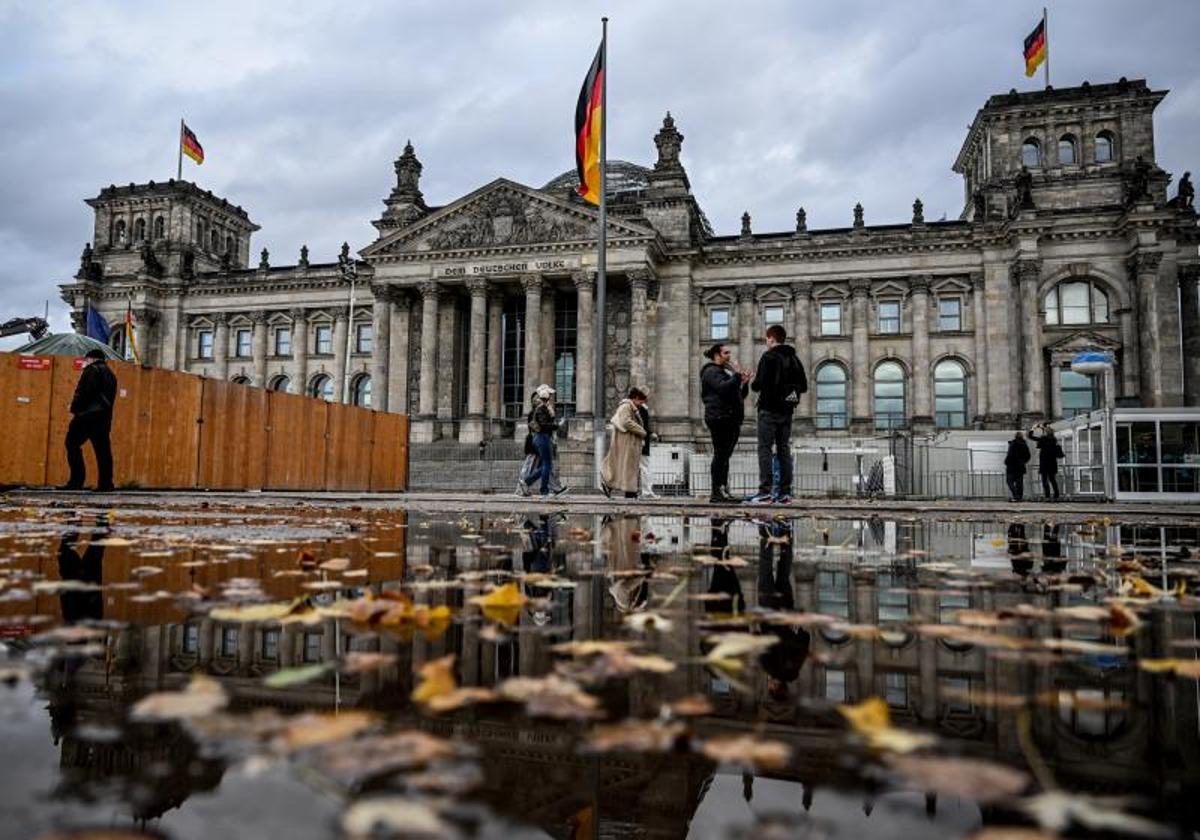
(1033, 656)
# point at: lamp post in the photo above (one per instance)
(349, 273)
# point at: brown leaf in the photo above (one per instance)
(353, 762)
(1179, 667)
(310, 729)
(393, 816)
(984, 781)
(695, 705)
(745, 750)
(872, 720)
(437, 678)
(635, 736)
(551, 697)
(202, 696)
(358, 661)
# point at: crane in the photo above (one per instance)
(36, 327)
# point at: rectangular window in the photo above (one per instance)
(831, 319)
(270, 645)
(566, 318)
(241, 344)
(835, 685)
(204, 344)
(283, 341)
(949, 314)
(312, 647)
(718, 324)
(362, 338)
(889, 317)
(229, 641)
(512, 357)
(323, 339)
(896, 690)
(892, 604)
(191, 638)
(833, 594)
(772, 315)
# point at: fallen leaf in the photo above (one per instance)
(1178, 667)
(635, 736)
(202, 696)
(393, 816)
(296, 676)
(745, 750)
(353, 762)
(336, 564)
(872, 720)
(983, 781)
(551, 697)
(310, 729)
(695, 705)
(260, 612)
(728, 649)
(1122, 620)
(642, 622)
(1058, 810)
(437, 678)
(360, 661)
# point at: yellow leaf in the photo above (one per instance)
(1179, 667)
(311, 729)
(502, 596)
(872, 721)
(437, 678)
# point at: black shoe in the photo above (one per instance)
(605, 489)
(105, 488)
(69, 486)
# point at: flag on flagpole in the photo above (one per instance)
(588, 119)
(131, 348)
(95, 326)
(190, 145)
(1035, 48)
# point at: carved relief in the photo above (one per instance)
(507, 218)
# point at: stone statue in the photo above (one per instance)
(150, 262)
(1139, 181)
(303, 256)
(918, 212)
(746, 223)
(980, 202)
(801, 221)
(85, 260)
(1185, 198)
(264, 259)
(858, 215)
(669, 141)
(1024, 185)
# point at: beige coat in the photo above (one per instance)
(621, 466)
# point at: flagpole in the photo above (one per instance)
(1046, 39)
(598, 412)
(179, 163)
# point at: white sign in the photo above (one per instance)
(517, 266)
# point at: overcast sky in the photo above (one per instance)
(302, 112)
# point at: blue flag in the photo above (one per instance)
(97, 327)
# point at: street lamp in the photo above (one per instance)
(349, 273)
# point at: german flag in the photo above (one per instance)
(1035, 48)
(191, 146)
(588, 119)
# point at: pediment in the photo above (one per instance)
(502, 215)
(1079, 342)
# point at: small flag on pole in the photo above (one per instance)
(1035, 48)
(131, 348)
(190, 145)
(588, 113)
(95, 326)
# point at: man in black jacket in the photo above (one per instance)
(779, 382)
(1014, 466)
(92, 407)
(722, 388)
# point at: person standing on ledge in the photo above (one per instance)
(647, 482)
(779, 382)
(1049, 451)
(92, 410)
(620, 468)
(723, 387)
(1014, 466)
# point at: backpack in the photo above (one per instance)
(790, 382)
(1058, 451)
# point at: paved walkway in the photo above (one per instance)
(1132, 513)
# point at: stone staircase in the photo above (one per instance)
(491, 468)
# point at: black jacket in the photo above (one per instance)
(1048, 450)
(722, 392)
(779, 380)
(644, 414)
(96, 391)
(544, 420)
(1017, 457)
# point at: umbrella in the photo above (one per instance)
(66, 344)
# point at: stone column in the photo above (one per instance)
(221, 346)
(1131, 370)
(1189, 289)
(471, 429)
(639, 283)
(1144, 266)
(300, 349)
(397, 401)
(532, 284)
(495, 337)
(1033, 400)
(1056, 408)
(585, 361)
(381, 334)
(545, 329)
(423, 429)
(144, 320)
(258, 348)
(747, 322)
(341, 328)
(695, 335)
(921, 409)
(860, 351)
(802, 341)
(980, 352)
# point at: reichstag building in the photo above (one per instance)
(1067, 242)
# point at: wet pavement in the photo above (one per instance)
(185, 666)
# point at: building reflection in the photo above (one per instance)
(1123, 731)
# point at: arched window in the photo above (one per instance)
(139, 230)
(240, 380)
(831, 396)
(279, 383)
(360, 391)
(949, 395)
(889, 396)
(1080, 393)
(1104, 147)
(322, 387)
(1066, 150)
(1031, 153)
(214, 241)
(160, 227)
(1076, 302)
(200, 232)
(119, 234)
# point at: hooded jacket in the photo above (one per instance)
(95, 392)
(722, 392)
(779, 380)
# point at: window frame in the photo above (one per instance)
(360, 395)
(887, 420)
(938, 414)
(832, 305)
(958, 315)
(880, 319)
(714, 327)
(771, 307)
(1110, 140)
(240, 352)
(281, 340)
(204, 340)
(1097, 299)
(831, 419)
(1034, 144)
(364, 337)
(1069, 141)
(325, 328)
(315, 387)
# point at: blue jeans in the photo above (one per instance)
(774, 433)
(544, 446)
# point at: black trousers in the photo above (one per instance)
(94, 428)
(724, 438)
(1016, 485)
(1049, 481)
(774, 439)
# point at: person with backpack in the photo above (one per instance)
(779, 382)
(542, 426)
(1049, 453)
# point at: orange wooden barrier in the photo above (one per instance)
(177, 430)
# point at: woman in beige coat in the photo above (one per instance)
(622, 465)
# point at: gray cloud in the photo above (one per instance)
(302, 112)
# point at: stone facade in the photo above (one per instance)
(1067, 242)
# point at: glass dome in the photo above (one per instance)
(622, 177)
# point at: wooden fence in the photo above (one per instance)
(175, 430)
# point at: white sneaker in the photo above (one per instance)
(651, 496)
